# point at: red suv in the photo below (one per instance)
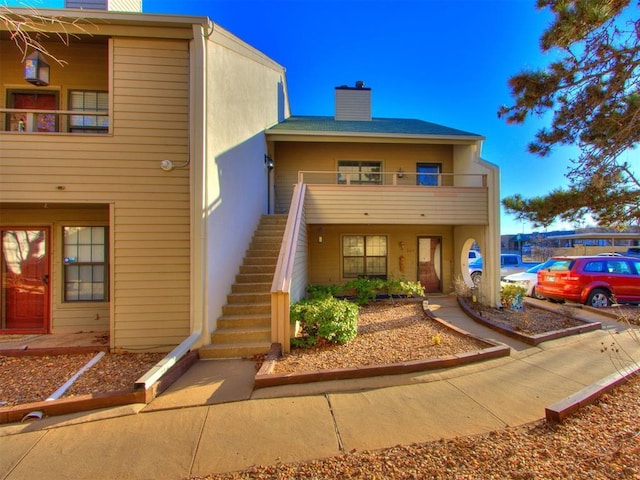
(595, 281)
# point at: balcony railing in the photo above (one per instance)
(393, 198)
(54, 121)
(399, 178)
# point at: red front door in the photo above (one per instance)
(430, 263)
(24, 296)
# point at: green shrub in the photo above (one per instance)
(365, 289)
(411, 289)
(329, 318)
(322, 291)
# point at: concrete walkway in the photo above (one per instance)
(168, 439)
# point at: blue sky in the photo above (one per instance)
(443, 61)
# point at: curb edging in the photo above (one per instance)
(83, 403)
(265, 378)
(534, 340)
(566, 407)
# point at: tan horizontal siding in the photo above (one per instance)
(150, 296)
(161, 92)
(397, 205)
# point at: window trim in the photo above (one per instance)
(104, 264)
(84, 128)
(359, 173)
(438, 167)
(365, 257)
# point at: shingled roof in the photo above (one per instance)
(399, 127)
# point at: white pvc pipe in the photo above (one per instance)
(167, 362)
(58, 393)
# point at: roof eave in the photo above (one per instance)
(294, 135)
(132, 18)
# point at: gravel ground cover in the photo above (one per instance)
(531, 320)
(387, 333)
(26, 379)
(602, 441)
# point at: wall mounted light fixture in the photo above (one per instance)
(400, 173)
(36, 70)
(168, 165)
(268, 161)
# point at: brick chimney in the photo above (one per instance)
(353, 103)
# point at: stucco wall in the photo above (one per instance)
(246, 93)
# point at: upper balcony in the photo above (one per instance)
(395, 198)
(74, 96)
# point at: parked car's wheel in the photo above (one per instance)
(599, 298)
(535, 294)
(476, 277)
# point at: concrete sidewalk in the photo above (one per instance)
(302, 422)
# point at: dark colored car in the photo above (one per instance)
(597, 281)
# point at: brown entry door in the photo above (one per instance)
(24, 296)
(430, 263)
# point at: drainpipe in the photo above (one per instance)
(197, 152)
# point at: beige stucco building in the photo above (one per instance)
(138, 182)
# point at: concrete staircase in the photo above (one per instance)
(244, 329)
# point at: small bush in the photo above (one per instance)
(365, 289)
(322, 291)
(329, 318)
(411, 289)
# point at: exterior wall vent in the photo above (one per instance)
(353, 103)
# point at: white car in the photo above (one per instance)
(527, 279)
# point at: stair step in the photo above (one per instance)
(257, 287)
(238, 350)
(254, 278)
(269, 233)
(244, 321)
(246, 308)
(241, 335)
(269, 245)
(271, 261)
(262, 253)
(258, 269)
(271, 219)
(249, 297)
